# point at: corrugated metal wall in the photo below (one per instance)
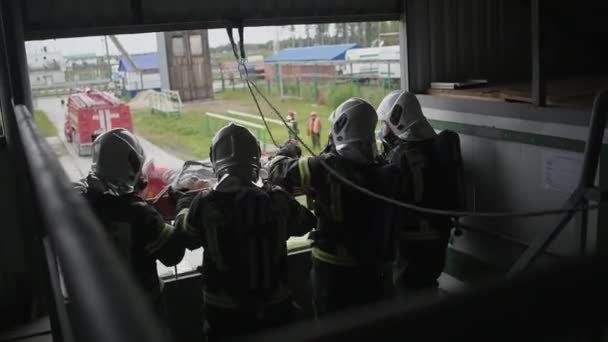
(45, 19)
(479, 39)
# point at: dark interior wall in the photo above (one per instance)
(575, 36)
(451, 40)
(46, 19)
(479, 39)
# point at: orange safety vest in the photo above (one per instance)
(314, 126)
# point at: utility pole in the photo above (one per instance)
(105, 39)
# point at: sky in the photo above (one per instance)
(146, 42)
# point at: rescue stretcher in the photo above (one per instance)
(197, 176)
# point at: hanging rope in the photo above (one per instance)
(456, 214)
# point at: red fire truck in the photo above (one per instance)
(91, 113)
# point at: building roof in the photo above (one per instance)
(312, 54)
(146, 61)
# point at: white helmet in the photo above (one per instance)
(401, 112)
(118, 159)
(352, 133)
(332, 118)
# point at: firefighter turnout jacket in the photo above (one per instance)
(433, 167)
(243, 230)
(137, 230)
(353, 229)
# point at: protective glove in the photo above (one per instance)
(291, 150)
(185, 201)
(181, 199)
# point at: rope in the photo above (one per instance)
(346, 181)
(241, 62)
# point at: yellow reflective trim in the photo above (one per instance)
(333, 258)
(336, 201)
(304, 170)
(181, 222)
(163, 236)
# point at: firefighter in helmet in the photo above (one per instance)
(432, 165)
(353, 241)
(137, 230)
(243, 225)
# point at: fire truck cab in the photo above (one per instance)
(91, 113)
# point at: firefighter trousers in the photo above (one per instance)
(419, 263)
(339, 287)
(222, 323)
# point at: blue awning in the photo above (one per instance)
(146, 62)
(312, 54)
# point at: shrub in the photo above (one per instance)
(337, 94)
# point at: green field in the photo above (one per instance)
(45, 127)
(189, 134)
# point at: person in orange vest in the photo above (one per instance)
(314, 130)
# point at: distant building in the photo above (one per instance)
(45, 67)
(306, 63)
(144, 75)
(88, 67)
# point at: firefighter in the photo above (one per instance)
(432, 165)
(243, 225)
(137, 230)
(353, 243)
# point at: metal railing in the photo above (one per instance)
(105, 303)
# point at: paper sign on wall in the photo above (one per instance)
(561, 171)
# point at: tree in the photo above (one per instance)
(321, 33)
(292, 29)
(307, 33)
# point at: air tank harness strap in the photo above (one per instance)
(340, 258)
(275, 160)
(213, 221)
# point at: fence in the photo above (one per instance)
(235, 117)
(314, 81)
(165, 101)
(67, 88)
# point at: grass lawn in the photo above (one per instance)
(189, 135)
(46, 128)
